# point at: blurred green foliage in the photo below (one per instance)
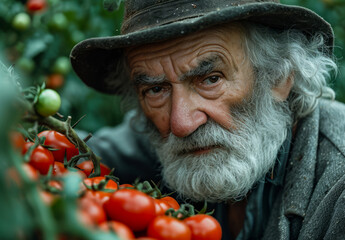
(38, 45)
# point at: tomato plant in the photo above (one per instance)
(131, 207)
(204, 227)
(123, 231)
(59, 142)
(87, 168)
(40, 158)
(36, 5)
(168, 228)
(48, 103)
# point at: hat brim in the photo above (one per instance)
(96, 60)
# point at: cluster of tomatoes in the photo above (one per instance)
(137, 211)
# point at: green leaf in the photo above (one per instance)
(111, 5)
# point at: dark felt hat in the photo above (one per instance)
(97, 61)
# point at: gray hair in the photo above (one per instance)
(277, 55)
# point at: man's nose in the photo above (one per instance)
(185, 115)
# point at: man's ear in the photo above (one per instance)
(282, 90)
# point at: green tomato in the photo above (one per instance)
(21, 21)
(59, 21)
(48, 103)
(62, 65)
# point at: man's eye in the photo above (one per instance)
(153, 90)
(211, 80)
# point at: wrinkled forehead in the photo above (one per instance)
(221, 40)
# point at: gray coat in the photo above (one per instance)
(312, 202)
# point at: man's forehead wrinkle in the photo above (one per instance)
(143, 79)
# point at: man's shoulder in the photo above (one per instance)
(332, 122)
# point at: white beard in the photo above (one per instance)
(241, 156)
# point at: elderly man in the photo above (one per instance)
(231, 95)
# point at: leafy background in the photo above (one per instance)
(42, 48)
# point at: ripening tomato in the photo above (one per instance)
(121, 230)
(126, 185)
(60, 142)
(92, 208)
(36, 5)
(204, 227)
(168, 228)
(87, 168)
(41, 158)
(131, 207)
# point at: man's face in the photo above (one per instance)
(216, 129)
(183, 83)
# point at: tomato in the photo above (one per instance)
(123, 231)
(161, 207)
(17, 140)
(55, 81)
(30, 171)
(47, 197)
(36, 5)
(87, 168)
(59, 22)
(92, 208)
(100, 195)
(21, 21)
(41, 158)
(131, 207)
(48, 103)
(168, 228)
(59, 141)
(204, 227)
(171, 202)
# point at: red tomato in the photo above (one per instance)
(87, 168)
(40, 158)
(168, 228)
(122, 231)
(161, 206)
(55, 81)
(171, 202)
(17, 140)
(204, 227)
(59, 169)
(100, 195)
(59, 141)
(36, 5)
(30, 171)
(92, 208)
(131, 207)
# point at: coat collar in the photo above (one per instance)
(300, 172)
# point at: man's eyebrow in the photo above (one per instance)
(205, 66)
